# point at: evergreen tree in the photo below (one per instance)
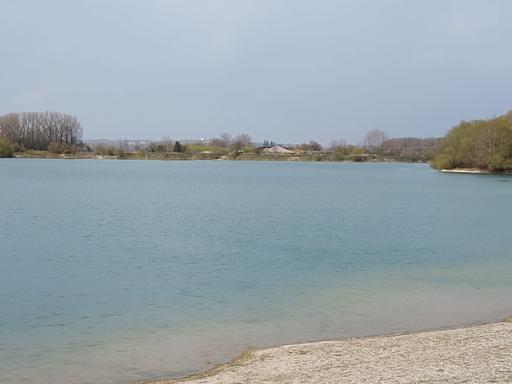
(178, 147)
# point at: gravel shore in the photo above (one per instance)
(478, 354)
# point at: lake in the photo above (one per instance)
(118, 271)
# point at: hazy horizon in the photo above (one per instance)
(287, 71)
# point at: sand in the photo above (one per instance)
(477, 354)
(464, 170)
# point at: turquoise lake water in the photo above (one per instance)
(117, 271)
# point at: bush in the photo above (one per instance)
(60, 148)
(105, 150)
(6, 149)
(337, 155)
(443, 161)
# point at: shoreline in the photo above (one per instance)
(275, 159)
(467, 170)
(474, 171)
(448, 355)
(193, 156)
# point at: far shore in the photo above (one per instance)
(210, 156)
(476, 354)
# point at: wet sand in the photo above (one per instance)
(476, 354)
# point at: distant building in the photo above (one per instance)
(278, 149)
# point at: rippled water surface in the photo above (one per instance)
(117, 271)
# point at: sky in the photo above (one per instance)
(282, 70)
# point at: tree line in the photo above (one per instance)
(410, 148)
(62, 133)
(41, 131)
(480, 144)
(236, 143)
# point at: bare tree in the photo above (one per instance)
(312, 146)
(124, 146)
(223, 141)
(37, 130)
(374, 138)
(167, 144)
(241, 141)
(315, 146)
(335, 144)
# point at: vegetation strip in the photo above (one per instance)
(477, 146)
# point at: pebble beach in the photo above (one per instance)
(476, 354)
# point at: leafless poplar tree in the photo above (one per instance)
(37, 130)
(374, 138)
(241, 141)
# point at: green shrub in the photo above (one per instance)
(105, 150)
(61, 148)
(443, 161)
(6, 149)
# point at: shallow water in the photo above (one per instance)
(117, 271)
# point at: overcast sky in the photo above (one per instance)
(286, 70)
